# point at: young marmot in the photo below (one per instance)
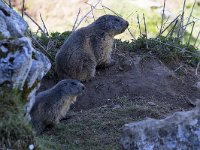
(52, 105)
(89, 47)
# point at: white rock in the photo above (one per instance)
(12, 24)
(21, 66)
(197, 85)
(31, 147)
(180, 131)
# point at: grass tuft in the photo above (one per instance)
(98, 128)
(51, 44)
(167, 49)
(14, 132)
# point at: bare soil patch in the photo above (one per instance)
(141, 78)
(138, 86)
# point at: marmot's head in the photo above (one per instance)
(112, 24)
(70, 87)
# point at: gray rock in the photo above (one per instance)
(11, 24)
(181, 131)
(15, 64)
(21, 66)
(20, 63)
(3, 28)
(197, 85)
(40, 66)
(29, 104)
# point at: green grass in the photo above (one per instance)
(167, 49)
(98, 129)
(51, 43)
(14, 132)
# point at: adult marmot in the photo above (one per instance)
(52, 105)
(89, 47)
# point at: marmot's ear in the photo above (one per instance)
(101, 23)
(110, 25)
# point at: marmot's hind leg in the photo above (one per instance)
(107, 63)
(88, 70)
(61, 72)
(38, 126)
(62, 76)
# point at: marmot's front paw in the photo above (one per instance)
(110, 63)
(93, 46)
(106, 64)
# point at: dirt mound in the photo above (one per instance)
(136, 87)
(141, 78)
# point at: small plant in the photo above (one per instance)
(50, 45)
(122, 100)
(1, 36)
(14, 132)
(55, 37)
(168, 49)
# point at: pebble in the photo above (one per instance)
(151, 103)
(117, 107)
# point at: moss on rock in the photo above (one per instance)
(14, 132)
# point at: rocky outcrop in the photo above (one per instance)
(21, 66)
(181, 131)
(11, 24)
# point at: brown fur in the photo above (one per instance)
(88, 48)
(52, 105)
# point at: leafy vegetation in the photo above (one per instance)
(50, 44)
(14, 132)
(166, 49)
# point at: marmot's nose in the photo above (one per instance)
(127, 24)
(83, 87)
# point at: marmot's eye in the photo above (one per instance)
(117, 20)
(73, 83)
